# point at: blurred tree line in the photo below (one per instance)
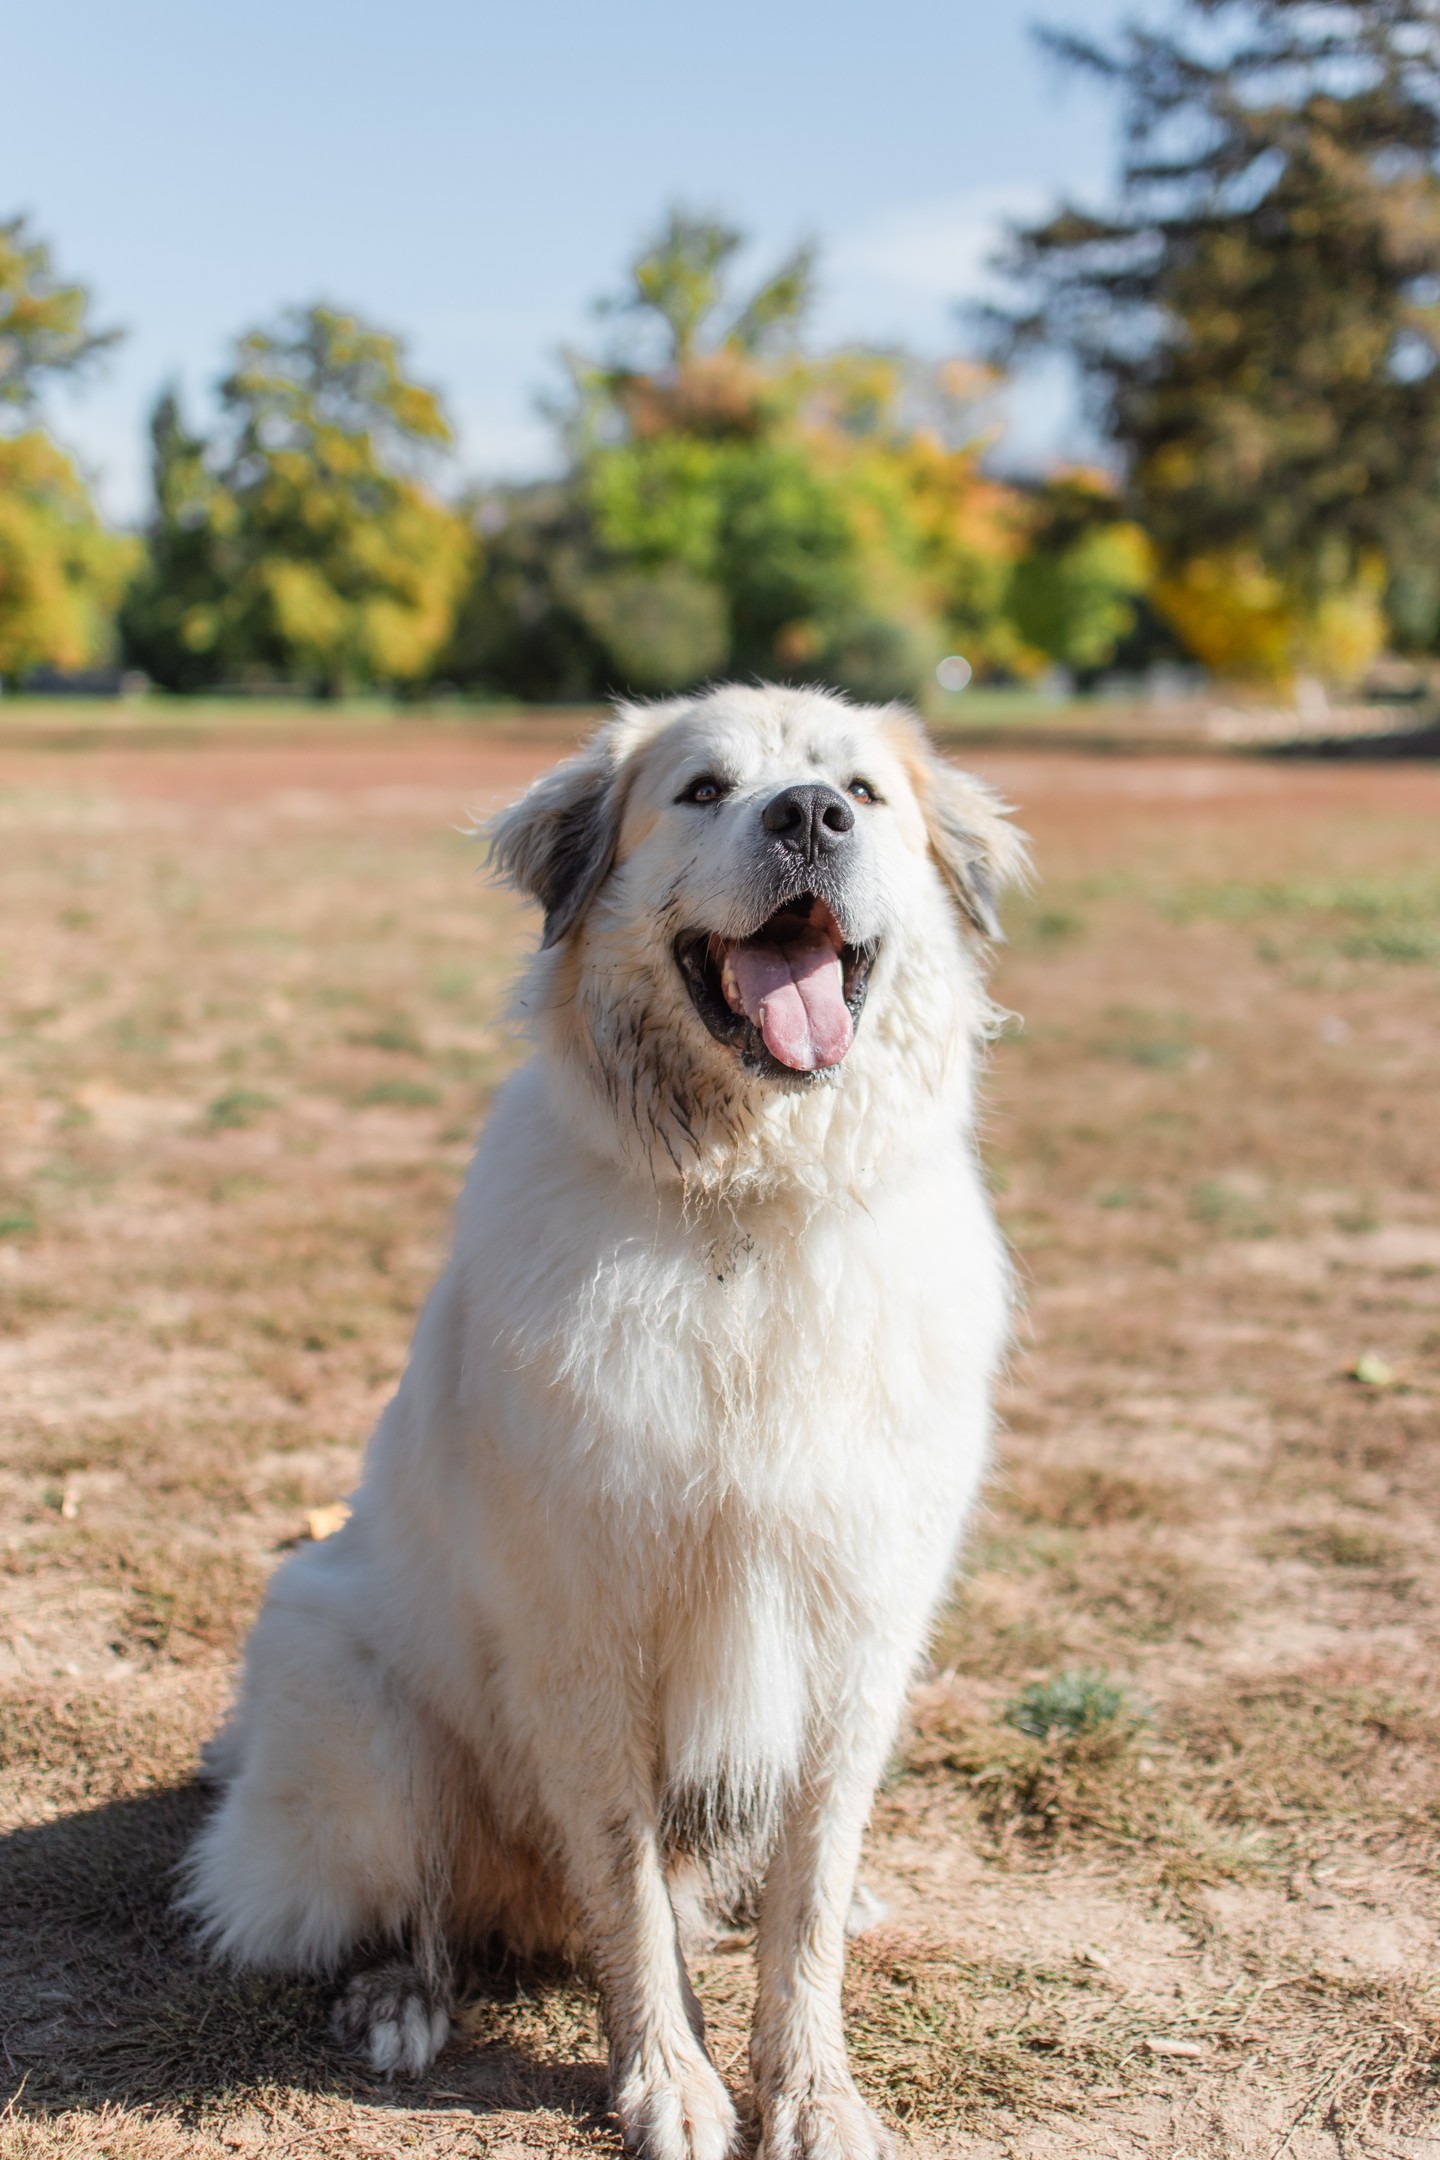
(732, 504)
(729, 504)
(1257, 318)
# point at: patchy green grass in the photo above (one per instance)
(1071, 1703)
(237, 1108)
(1376, 917)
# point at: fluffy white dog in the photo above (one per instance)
(649, 1540)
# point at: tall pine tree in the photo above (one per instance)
(1258, 319)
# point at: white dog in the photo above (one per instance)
(649, 1540)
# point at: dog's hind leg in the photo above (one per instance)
(331, 1836)
(395, 2013)
(393, 2018)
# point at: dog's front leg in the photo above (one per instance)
(808, 2103)
(668, 2098)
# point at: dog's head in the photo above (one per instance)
(755, 893)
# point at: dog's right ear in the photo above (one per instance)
(557, 844)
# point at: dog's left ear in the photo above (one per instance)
(557, 844)
(976, 849)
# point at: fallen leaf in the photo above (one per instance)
(1372, 1371)
(323, 1522)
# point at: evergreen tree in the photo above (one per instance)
(1259, 318)
(174, 621)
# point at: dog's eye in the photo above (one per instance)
(862, 791)
(707, 789)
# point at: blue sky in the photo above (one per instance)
(474, 176)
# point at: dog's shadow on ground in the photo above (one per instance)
(106, 1999)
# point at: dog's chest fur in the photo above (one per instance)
(740, 1431)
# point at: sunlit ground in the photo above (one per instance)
(1160, 1845)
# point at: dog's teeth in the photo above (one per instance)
(730, 987)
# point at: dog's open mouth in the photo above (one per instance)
(789, 997)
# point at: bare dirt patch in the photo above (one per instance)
(1160, 1844)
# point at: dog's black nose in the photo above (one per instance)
(810, 821)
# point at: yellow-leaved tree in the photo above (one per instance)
(61, 572)
(1248, 622)
(303, 542)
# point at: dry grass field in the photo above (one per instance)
(1161, 1846)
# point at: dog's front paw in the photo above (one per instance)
(673, 2106)
(829, 2122)
(389, 2018)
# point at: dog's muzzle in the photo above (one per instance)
(788, 998)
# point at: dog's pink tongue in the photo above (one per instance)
(795, 994)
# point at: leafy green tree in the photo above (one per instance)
(302, 543)
(521, 626)
(736, 505)
(61, 573)
(679, 286)
(1073, 593)
(716, 533)
(1259, 317)
(44, 331)
(755, 524)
